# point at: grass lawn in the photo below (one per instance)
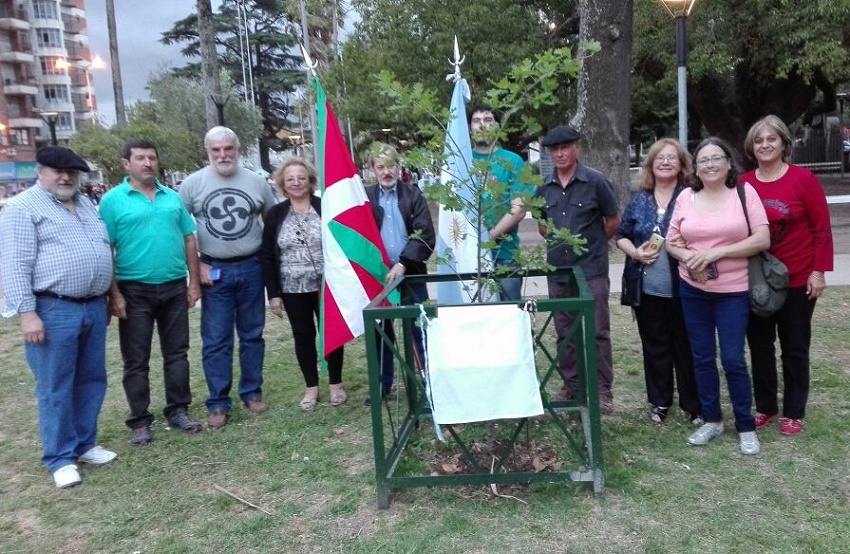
(313, 473)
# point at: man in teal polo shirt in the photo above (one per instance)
(152, 236)
(502, 212)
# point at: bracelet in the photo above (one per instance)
(818, 277)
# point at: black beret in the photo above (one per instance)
(562, 134)
(60, 158)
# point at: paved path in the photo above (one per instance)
(840, 276)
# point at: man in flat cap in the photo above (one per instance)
(56, 269)
(582, 200)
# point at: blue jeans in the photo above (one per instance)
(70, 377)
(510, 288)
(236, 297)
(166, 306)
(724, 315)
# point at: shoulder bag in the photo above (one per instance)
(768, 276)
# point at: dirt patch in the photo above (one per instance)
(523, 458)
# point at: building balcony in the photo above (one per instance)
(25, 122)
(15, 23)
(16, 57)
(55, 80)
(20, 90)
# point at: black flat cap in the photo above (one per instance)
(60, 158)
(562, 134)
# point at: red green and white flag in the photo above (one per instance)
(356, 263)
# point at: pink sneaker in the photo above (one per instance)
(763, 419)
(788, 426)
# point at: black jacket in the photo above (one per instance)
(269, 251)
(417, 217)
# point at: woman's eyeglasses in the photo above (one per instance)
(666, 158)
(713, 159)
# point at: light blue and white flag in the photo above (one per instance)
(459, 232)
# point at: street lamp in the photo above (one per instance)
(680, 10)
(50, 118)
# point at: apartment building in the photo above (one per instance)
(46, 90)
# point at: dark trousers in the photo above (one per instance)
(413, 293)
(794, 325)
(568, 369)
(302, 309)
(666, 353)
(166, 306)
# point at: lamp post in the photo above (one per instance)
(50, 118)
(680, 10)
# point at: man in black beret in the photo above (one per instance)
(56, 268)
(581, 200)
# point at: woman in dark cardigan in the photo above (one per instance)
(292, 271)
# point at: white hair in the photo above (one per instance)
(220, 133)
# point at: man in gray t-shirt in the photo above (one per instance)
(228, 201)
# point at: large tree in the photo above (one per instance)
(746, 59)
(271, 57)
(604, 88)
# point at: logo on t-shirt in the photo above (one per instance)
(778, 216)
(228, 213)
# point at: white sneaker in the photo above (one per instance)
(749, 443)
(67, 476)
(98, 456)
(705, 433)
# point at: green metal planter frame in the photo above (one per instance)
(395, 423)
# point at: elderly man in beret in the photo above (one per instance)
(56, 269)
(582, 200)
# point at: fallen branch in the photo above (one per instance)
(242, 500)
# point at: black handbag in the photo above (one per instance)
(632, 285)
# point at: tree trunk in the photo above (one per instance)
(604, 90)
(209, 62)
(117, 84)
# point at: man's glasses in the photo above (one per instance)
(713, 159)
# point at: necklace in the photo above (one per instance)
(661, 205)
(301, 211)
(766, 177)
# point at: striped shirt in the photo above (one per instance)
(45, 247)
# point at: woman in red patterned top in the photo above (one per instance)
(801, 237)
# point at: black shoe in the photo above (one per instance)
(141, 436)
(181, 420)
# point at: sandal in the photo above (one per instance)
(338, 395)
(658, 414)
(310, 400)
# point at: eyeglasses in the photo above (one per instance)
(291, 180)
(713, 159)
(666, 158)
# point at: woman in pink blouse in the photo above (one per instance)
(709, 236)
(801, 237)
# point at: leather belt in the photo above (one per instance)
(78, 300)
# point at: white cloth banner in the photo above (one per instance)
(481, 364)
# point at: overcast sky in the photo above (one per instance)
(139, 27)
(140, 24)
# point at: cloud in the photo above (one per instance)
(139, 27)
